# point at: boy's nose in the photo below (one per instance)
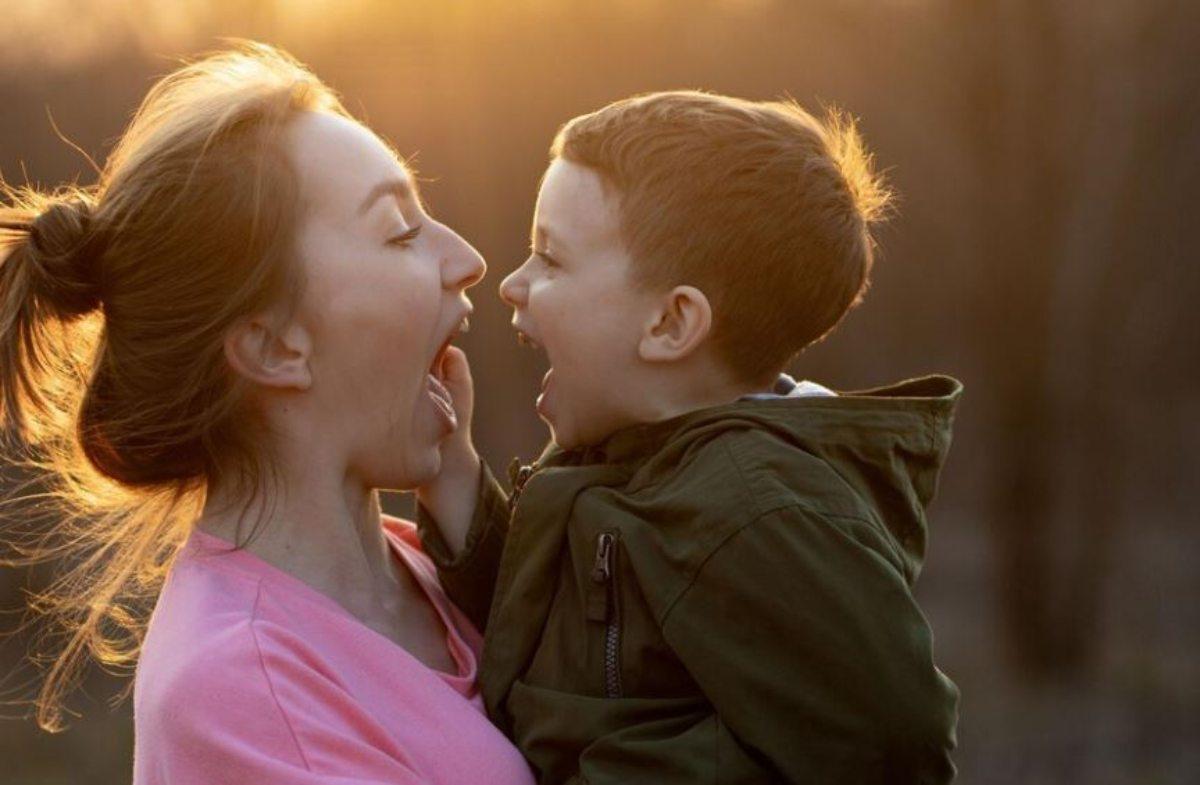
(514, 289)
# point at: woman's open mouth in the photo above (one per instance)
(435, 386)
(436, 368)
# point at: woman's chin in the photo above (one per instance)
(411, 456)
(415, 469)
(428, 469)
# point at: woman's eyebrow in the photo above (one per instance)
(400, 188)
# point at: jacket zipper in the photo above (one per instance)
(520, 475)
(604, 573)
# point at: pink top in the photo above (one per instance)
(248, 675)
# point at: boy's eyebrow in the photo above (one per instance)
(541, 230)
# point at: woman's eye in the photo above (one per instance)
(546, 258)
(402, 240)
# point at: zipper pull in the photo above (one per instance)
(602, 567)
(518, 475)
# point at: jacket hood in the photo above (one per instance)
(888, 443)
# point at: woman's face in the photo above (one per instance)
(384, 294)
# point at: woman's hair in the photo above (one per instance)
(114, 304)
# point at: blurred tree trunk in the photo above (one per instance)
(1158, 92)
(1069, 204)
(1014, 124)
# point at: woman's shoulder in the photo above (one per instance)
(201, 630)
(228, 620)
(225, 683)
(201, 668)
(217, 628)
(252, 671)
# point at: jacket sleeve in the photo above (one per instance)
(802, 633)
(469, 578)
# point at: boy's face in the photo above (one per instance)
(575, 298)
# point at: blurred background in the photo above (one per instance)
(1047, 154)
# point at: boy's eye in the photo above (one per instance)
(403, 240)
(546, 258)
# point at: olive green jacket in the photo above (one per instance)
(724, 597)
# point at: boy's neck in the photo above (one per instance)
(680, 391)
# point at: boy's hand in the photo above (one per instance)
(458, 451)
(450, 497)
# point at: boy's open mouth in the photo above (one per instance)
(544, 395)
(524, 339)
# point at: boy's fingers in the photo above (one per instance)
(456, 375)
(455, 368)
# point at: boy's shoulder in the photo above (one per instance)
(674, 517)
(861, 467)
(777, 473)
(744, 473)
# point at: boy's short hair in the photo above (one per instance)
(760, 205)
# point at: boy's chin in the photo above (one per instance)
(574, 438)
(563, 437)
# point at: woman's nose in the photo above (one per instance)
(514, 288)
(462, 267)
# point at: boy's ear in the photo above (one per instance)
(267, 354)
(679, 325)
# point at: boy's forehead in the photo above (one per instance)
(574, 207)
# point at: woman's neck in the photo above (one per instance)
(322, 526)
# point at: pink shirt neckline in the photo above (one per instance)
(464, 655)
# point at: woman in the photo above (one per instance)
(218, 354)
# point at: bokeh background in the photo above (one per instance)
(1047, 154)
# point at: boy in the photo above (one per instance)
(707, 577)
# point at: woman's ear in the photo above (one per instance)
(679, 325)
(270, 355)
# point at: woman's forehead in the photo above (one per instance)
(340, 162)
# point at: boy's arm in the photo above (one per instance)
(805, 638)
(468, 573)
(462, 513)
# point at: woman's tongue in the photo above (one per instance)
(442, 401)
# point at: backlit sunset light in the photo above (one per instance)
(1005, 207)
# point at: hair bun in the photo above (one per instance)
(62, 252)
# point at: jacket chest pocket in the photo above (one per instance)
(603, 607)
